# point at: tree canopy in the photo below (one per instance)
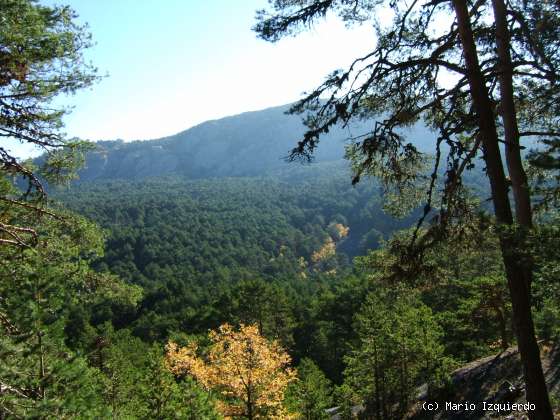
(479, 73)
(249, 373)
(41, 57)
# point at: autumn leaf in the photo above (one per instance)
(248, 373)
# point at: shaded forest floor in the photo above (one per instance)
(493, 379)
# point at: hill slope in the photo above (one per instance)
(186, 241)
(247, 144)
(488, 385)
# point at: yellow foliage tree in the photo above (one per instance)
(249, 373)
(338, 231)
(327, 250)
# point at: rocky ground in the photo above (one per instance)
(483, 388)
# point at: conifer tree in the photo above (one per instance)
(500, 64)
(41, 56)
(398, 349)
(39, 374)
(165, 398)
(312, 392)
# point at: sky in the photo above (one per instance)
(172, 64)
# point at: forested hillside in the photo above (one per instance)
(205, 276)
(182, 240)
(248, 144)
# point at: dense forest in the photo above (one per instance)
(202, 276)
(177, 258)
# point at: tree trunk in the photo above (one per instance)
(39, 333)
(384, 401)
(519, 184)
(376, 381)
(503, 329)
(517, 174)
(41, 365)
(249, 406)
(518, 283)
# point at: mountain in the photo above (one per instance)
(190, 216)
(248, 144)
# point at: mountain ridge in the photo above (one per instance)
(252, 143)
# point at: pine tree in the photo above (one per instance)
(163, 397)
(398, 349)
(40, 375)
(312, 392)
(41, 56)
(500, 60)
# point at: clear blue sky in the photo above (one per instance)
(172, 64)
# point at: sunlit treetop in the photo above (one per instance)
(249, 373)
(41, 56)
